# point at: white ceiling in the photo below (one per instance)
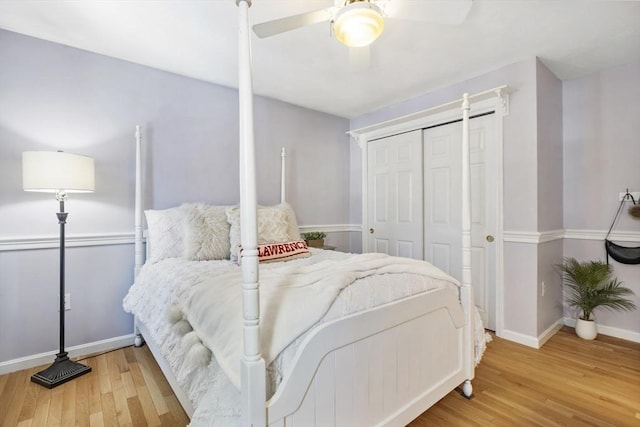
(307, 67)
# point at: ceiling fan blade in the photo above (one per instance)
(436, 11)
(282, 25)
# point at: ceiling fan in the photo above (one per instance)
(357, 23)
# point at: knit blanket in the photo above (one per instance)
(292, 299)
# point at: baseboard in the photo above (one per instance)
(75, 352)
(610, 331)
(534, 342)
(519, 338)
(551, 331)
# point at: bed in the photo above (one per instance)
(311, 338)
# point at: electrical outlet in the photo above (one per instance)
(67, 302)
(543, 287)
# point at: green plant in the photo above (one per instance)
(314, 235)
(590, 286)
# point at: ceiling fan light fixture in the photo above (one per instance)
(358, 24)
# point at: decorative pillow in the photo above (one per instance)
(272, 227)
(273, 252)
(165, 229)
(206, 232)
(292, 230)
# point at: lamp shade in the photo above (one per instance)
(358, 24)
(54, 171)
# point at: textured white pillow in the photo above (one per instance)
(206, 233)
(165, 233)
(292, 230)
(272, 227)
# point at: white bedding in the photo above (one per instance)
(176, 281)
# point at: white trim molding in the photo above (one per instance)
(53, 242)
(519, 338)
(533, 237)
(549, 332)
(620, 236)
(75, 353)
(531, 341)
(611, 331)
(331, 228)
(537, 237)
(429, 116)
(23, 243)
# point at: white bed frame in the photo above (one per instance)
(383, 366)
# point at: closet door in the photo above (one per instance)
(442, 198)
(483, 217)
(443, 206)
(395, 178)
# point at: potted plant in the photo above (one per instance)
(590, 285)
(315, 239)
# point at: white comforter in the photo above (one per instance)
(173, 282)
(293, 297)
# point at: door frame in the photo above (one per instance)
(494, 100)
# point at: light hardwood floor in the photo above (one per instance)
(569, 382)
(124, 388)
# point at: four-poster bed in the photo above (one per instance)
(376, 363)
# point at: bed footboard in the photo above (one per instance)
(384, 366)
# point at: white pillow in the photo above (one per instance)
(292, 230)
(165, 233)
(206, 232)
(272, 227)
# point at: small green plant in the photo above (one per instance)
(590, 286)
(314, 235)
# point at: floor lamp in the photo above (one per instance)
(59, 173)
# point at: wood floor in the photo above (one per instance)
(569, 382)
(124, 388)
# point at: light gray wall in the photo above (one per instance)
(549, 310)
(569, 149)
(549, 154)
(520, 176)
(602, 158)
(550, 189)
(55, 97)
(519, 133)
(601, 146)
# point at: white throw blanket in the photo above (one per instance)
(292, 299)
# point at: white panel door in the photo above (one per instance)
(442, 206)
(442, 199)
(483, 217)
(394, 223)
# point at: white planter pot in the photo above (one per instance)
(586, 329)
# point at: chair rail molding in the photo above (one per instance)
(19, 243)
(23, 243)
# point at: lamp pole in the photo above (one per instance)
(63, 369)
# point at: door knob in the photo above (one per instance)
(371, 230)
(489, 238)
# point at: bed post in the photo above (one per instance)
(137, 239)
(139, 249)
(283, 176)
(466, 291)
(253, 382)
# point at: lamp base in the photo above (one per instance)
(61, 370)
